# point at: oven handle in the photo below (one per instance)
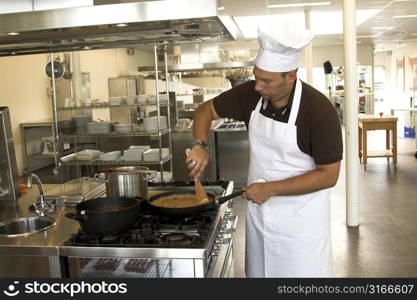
(230, 247)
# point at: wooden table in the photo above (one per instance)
(371, 122)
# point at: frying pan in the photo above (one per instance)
(109, 215)
(191, 210)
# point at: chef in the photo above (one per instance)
(295, 153)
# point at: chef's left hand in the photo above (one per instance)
(257, 193)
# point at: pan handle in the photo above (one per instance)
(74, 216)
(222, 200)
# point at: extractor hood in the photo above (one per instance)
(113, 25)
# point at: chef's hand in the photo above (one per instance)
(196, 161)
(257, 193)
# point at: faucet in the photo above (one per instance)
(42, 208)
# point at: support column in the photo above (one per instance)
(351, 106)
(76, 77)
(308, 51)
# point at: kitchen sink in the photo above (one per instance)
(25, 226)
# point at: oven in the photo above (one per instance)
(159, 246)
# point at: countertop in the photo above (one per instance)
(50, 242)
(41, 243)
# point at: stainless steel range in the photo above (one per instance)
(160, 246)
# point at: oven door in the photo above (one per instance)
(113, 267)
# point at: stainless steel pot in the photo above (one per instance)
(126, 181)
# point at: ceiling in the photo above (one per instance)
(382, 30)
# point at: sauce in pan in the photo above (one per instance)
(179, 201)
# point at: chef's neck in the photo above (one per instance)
(283, 98)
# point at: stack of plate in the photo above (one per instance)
(153, 154)
(141, 99)
(130, 100)
(109, 156)
(135, 152)
(123, 128)
(100, 128)
(115, 100)
(151, 124)
(88, 154)
(151, 99)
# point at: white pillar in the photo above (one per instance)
(76, 77)
(351, 106)
(308, 51)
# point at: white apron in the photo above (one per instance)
(287, 236)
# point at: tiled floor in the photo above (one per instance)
(385, 243)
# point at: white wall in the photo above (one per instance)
(335, 55)
(23, 88)
(398, 98)
(23, 84)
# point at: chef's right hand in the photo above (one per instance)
(196, 161)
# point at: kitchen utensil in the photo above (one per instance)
(199, 191)
(129, 181)
(211, 204)
(109, 215)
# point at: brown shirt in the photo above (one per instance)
(318, 129)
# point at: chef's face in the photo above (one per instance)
(273, 85)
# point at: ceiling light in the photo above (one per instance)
(13, 33)
(321, 22)
(121, 25)
(220, 8)
(86, 48)
(405, 16)
(299, 4)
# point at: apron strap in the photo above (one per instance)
(295, 102)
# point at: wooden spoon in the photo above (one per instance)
(199, 191)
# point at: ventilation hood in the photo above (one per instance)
(114, 25)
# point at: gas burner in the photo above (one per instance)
(109, 239)
(179, 238)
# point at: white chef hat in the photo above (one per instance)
(280, 43)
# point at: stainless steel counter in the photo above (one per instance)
(43, 243)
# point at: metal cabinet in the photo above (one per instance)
(38, 145)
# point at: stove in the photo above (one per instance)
(155, 231)
(170, 241)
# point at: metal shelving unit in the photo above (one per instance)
(116, 163)
(117, 134)
(103, 106)
(95, 139)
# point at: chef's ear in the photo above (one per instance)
(291, 76)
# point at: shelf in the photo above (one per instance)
(380, 153)
(162, 103)
(200, 67)
(40, 156)
(97, 162)
(117, 134)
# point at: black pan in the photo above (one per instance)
(109, 215)
(192, 210)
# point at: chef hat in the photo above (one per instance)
(280, 44)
